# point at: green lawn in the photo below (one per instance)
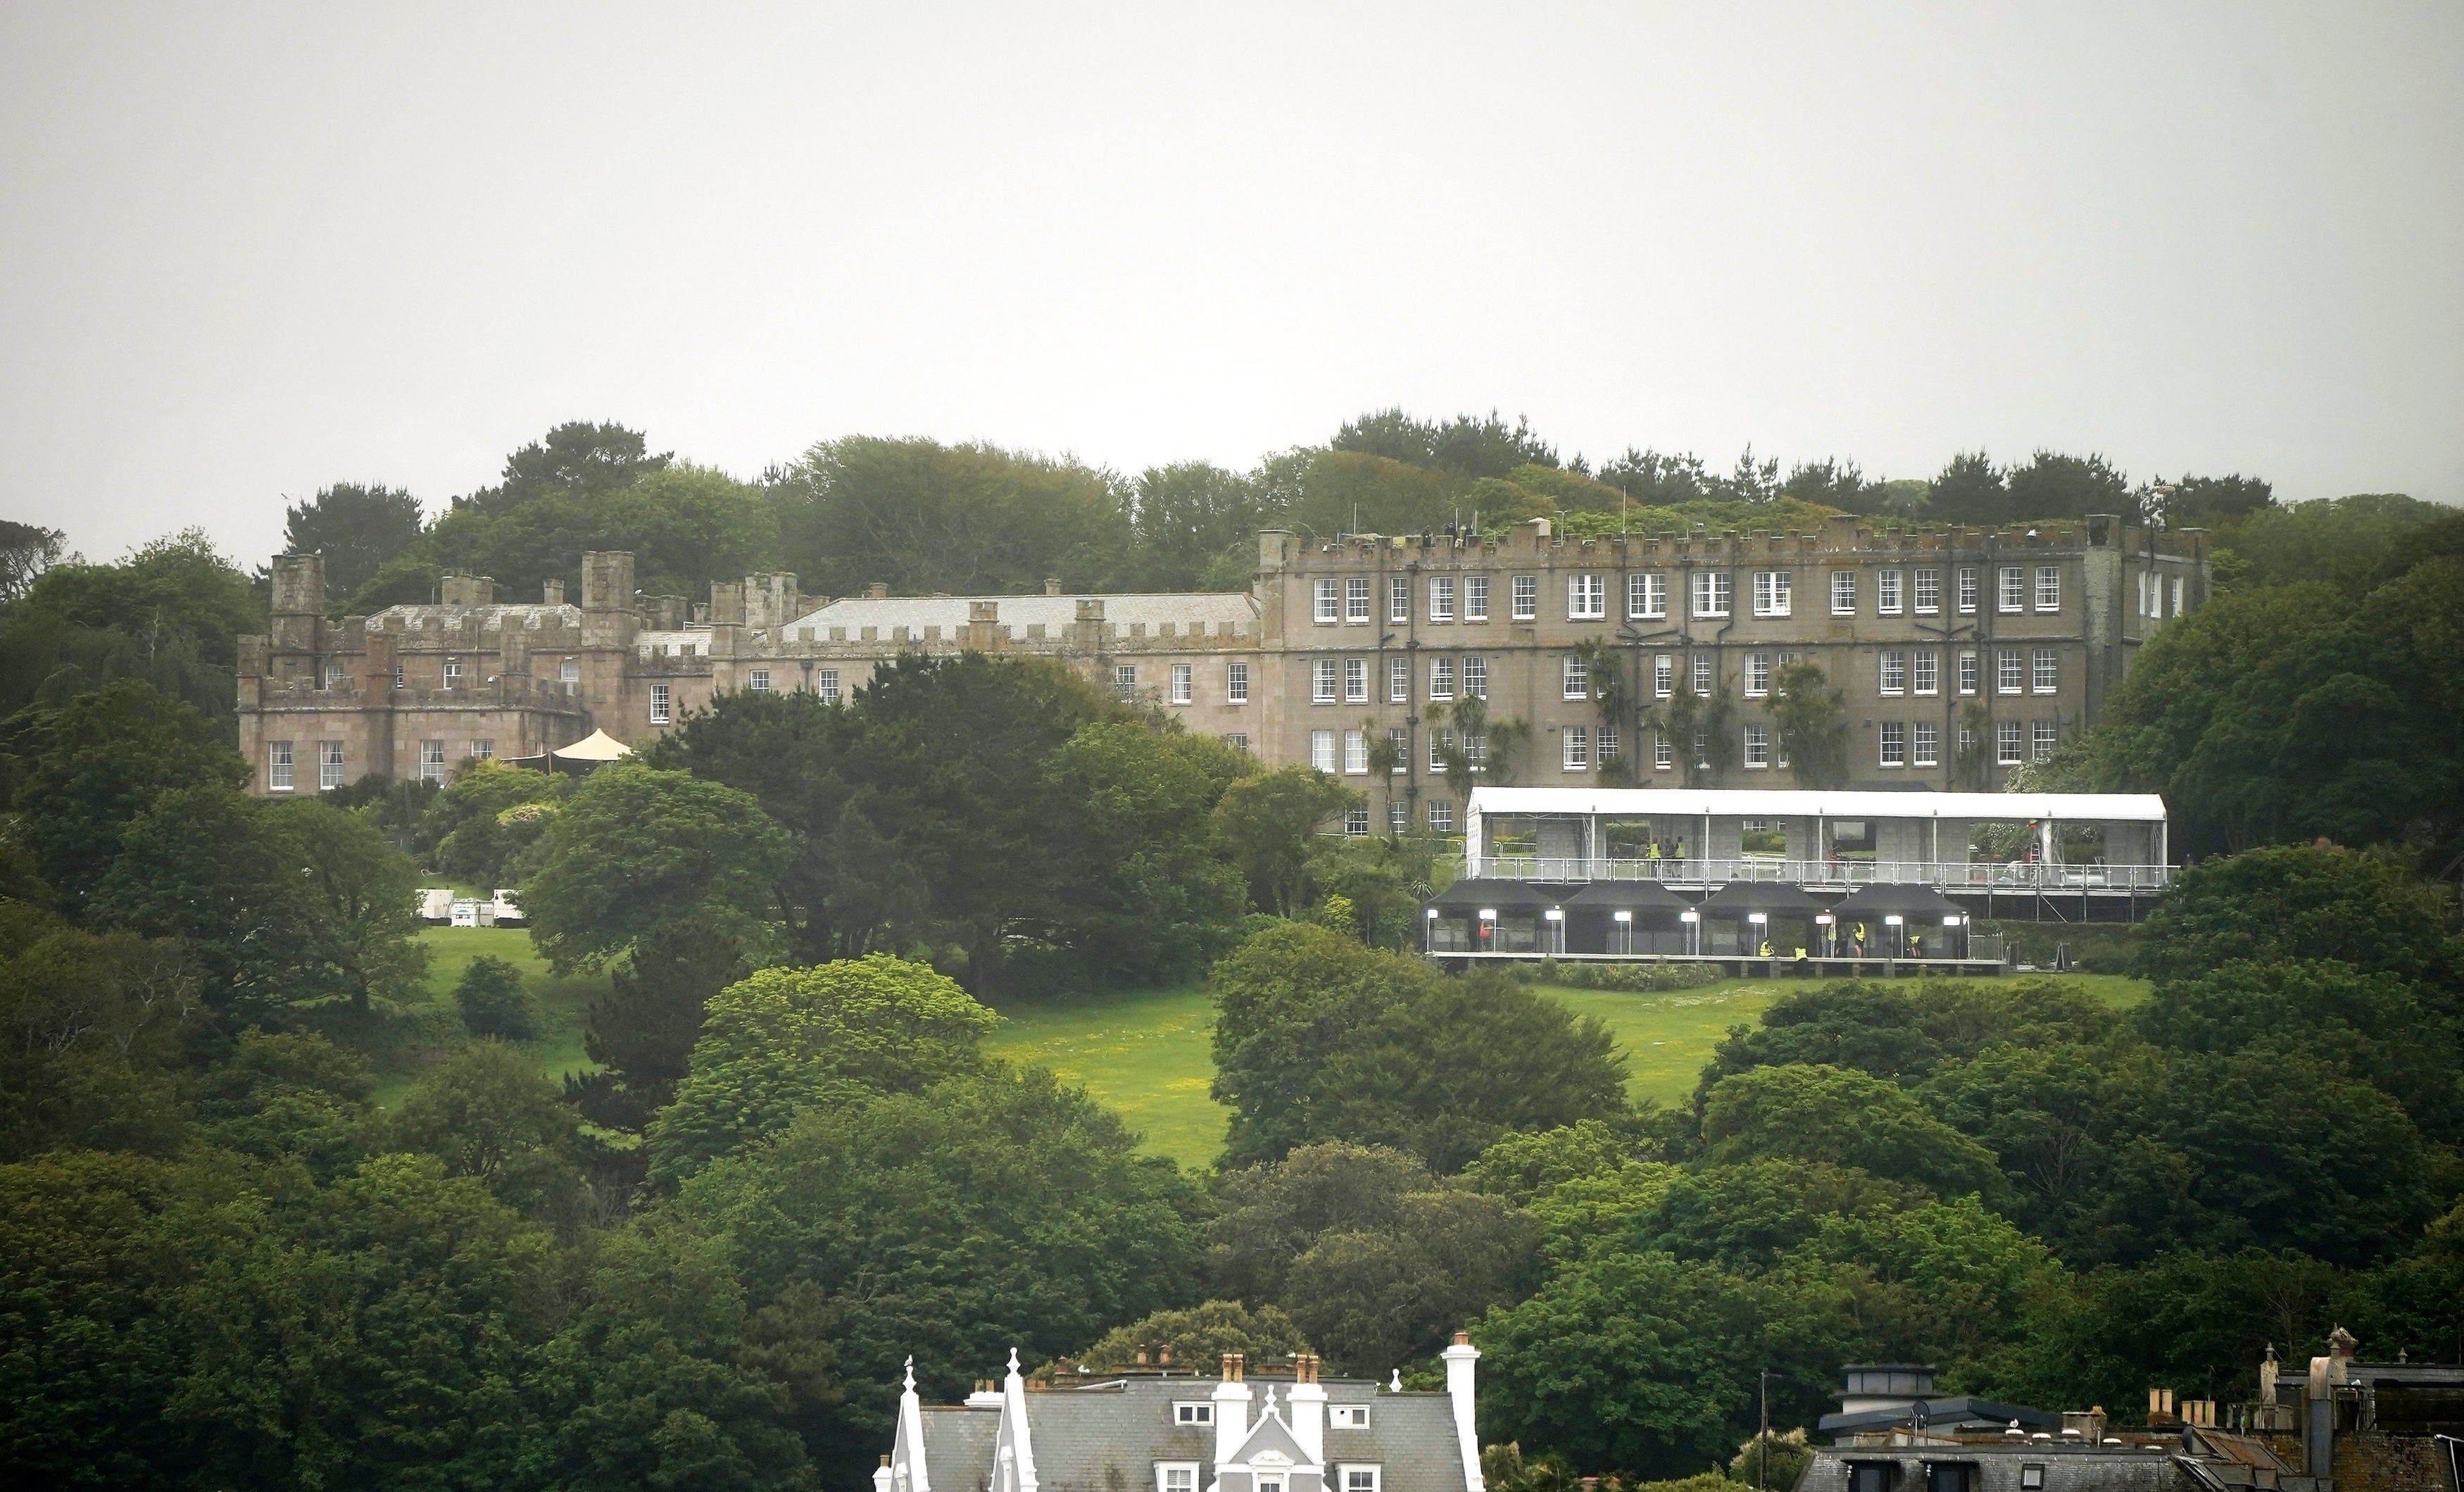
(558, 1002)
(1146, 1056)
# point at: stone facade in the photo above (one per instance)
(1339, 645)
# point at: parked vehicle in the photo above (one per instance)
(509, 907)
(435, 903)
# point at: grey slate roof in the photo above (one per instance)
(1940, 1414)
(1056, 613)
(1106, 1436)
(490, 616)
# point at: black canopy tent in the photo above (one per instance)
(1891, 913)
(1455, 924)
(1746, 914)
(1625, 917)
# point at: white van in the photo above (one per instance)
(509, 907)
(435, 903)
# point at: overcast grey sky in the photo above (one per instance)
(246, 251)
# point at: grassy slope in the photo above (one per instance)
(1146, 1055)
(560, 1002)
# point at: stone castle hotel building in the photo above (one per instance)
(1336, 645)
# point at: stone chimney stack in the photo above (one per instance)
(1051, 586)
(1307, 1401)
(1231, 1411)
(878, 590)
(551, 593)
(298, 608)
(608, 619)
(1460, 1359)
(983, 624)
(469, 590)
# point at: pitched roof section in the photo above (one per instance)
(491, 618)
(1056, 614)
(1272, 1435)
(1108, 1437)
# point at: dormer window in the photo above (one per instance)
(1199, 1413)
(1348, 1416)
(1176, 1476)
(1357, 1478)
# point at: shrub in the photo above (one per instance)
(493, 1000)
(1633, 978)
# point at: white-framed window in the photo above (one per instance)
(1358, 1478)
(2031, 1477)
(1399, 598)
(1348, 1416)
(453, 673)
(1440, 743)
(1578, 748)
(1604, 744)
(397, 675)
(2012, 583)
(1441, 815)
(1702, 673)
(2008, 745)
(569, 672)
(431, 761)
(1664, 752)
(483, 749)
(1895, 671)
(1895, 743)
(1322, 677)
(1967, 579)
(1925, 671)
(1758, 746)
(1442, 678)
(1476, 752)
(1925, 745)
(1527, 597)
(1181, 1476)
(1398, 816)
(1399, 680)
(1771, 592)
(662, 705)
(1356, 753)
(1664, 675)
(1886, 592)
(1356, 823)
(1966, 741)
(1185, 1412)
(1474, 678)
(277, 766)
(1587, 598)
(1757, 673)
(2049, 587)
(1441, 598)
(1712, 592)
(1125, 681)
(1184, 683)
(826, 685)
(1269, 1482)
(1399, 745)
(1355, 681)
(1236, 683)
(2044, 736)
(1355, 600)
(1322, 751)
(1843, 593)
(1646, 595)
(2045, 670)
(1578, 677)
(1238, 740)
(1701, 751)
(1928, 592)
(1329, 602)
(1475, 598)
(757, 680)
(2006, 670)
(2177, 596)
(1968, 673)
(329, 764)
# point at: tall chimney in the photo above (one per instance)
(1051, 586)
(1307, 1401)
(878, 590)
(1231, 1399)
(1459, 1358)
(551, 593)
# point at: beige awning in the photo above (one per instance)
(597, 746)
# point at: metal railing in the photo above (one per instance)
(1946, 874)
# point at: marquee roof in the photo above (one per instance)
(1645, 803)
